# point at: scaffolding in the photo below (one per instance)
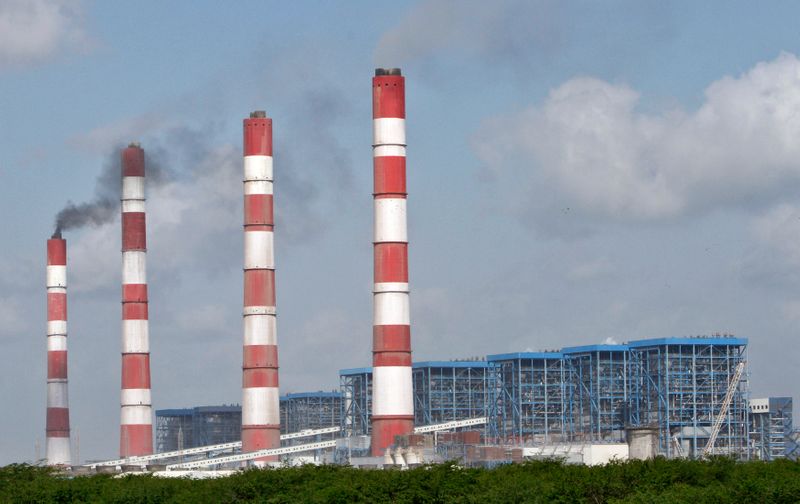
(680, 384)
(597, 392)
(531, 405)
(446, 391)
(771, 428)
(311, 410)
(356, 388)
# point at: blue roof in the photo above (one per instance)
(175, 412)
(524, 355)
(219, 409)
(451, 364)
(714, 340)
(305, 395)
(354, 371)
(594, 348)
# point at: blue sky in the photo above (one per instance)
(579, 172)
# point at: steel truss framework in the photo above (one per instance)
(178, 429)
(311, 410)
(173, 429)
(771, 428)
(443, 391)
(532, 404)
(453, 390)
(679, 384)
(585, 394)
(356, 387)
(598, 392)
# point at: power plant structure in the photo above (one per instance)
(181, 428)
(672, 397)
(57, 450)
(771, 430)
(260, 416)
(669, 393)
(393, 407)
(585, 395)
(177, 429)
(136, 427)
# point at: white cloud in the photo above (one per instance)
(773, 260)
(33, 30)
(587, 150)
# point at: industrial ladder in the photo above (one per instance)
(723, 412)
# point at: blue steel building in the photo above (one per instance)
(587, 394)
(680, 384)
(443, 391)
(310, 410)
(178, 429)
(771, 430)
(534, 397)
(684, 390)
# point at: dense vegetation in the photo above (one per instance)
(655, 481)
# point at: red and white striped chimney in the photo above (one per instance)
(392, 402)
(57, 430)
(136, 427)
(260, 398)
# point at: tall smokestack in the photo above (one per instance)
(392, 403)
(136, 427)
(58, 446)
(260, 400)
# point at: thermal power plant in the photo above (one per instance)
(136, 426)
(393, 406)
(57, 430)
(676, 397)
(260, 398)
(589, 395)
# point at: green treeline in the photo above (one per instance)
(656, 481)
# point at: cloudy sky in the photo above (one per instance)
(579, 172)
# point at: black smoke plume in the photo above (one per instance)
(104, 206)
